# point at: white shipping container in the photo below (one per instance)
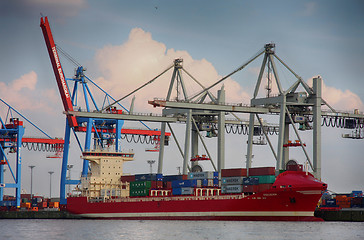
(232, 189)
(232, 180)
(201, 175)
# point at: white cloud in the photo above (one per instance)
(128, 66)
(22, 94)
(339, 99)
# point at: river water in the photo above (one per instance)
(174, 230)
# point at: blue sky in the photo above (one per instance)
(313, 37)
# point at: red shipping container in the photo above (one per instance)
(156, 184)
(262, 171)
(233, 172)
(42, 205)
(27, 196)
(250, 188)
(264, 186)
(127, 178)
(167, 185)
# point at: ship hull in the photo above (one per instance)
(296, 201)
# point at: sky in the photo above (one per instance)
(124, 44)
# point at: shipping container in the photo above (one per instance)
(356, 202)
(156, 184)
(127, 178)
(167, 185)
(251, 181)
(42, 205)
(216, 182)
(201, 175)
(208, 182)
(261, 171)
(182, 191)
(232, 180)
(184, 183)
(149, 177)
(329, 202)
(233, 172)
(27, 196)
(53, 204)
(140, 185)
(231, 189)
(139, 192)
(263, 187)
(265, 178)
(250, 188)
(170, 178)
(356, 194)
(26, 205)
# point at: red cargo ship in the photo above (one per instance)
(292, 197)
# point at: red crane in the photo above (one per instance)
(58, 71)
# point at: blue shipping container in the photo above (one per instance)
(216, 182)
(184, 183)
(182, 191)
(356, 194)
(170, 178)
(250, 181)
(149, 177)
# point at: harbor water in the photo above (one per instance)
(63, 229)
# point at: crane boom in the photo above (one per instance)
(58, 71)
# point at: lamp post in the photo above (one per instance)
(69, 176)
(31, 181)
(151, 162)
(50, 184)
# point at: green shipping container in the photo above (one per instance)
(266, 179)
(140, 185)
(139, 192)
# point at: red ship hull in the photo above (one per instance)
(293, 197)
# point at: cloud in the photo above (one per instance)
(339, 99)
(22, 94)
(129, 65)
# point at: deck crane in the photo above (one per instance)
(11, 141)
(104, 131)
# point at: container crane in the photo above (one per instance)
(104, 131)
(12, 139)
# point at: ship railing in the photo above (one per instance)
(173, 198)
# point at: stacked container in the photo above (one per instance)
(232, 180)
(236, 181)
(266, 176)
(205, 179)
(144, 183)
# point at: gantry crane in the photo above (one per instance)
(105, 131)
(11, 141)
(302, 108)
